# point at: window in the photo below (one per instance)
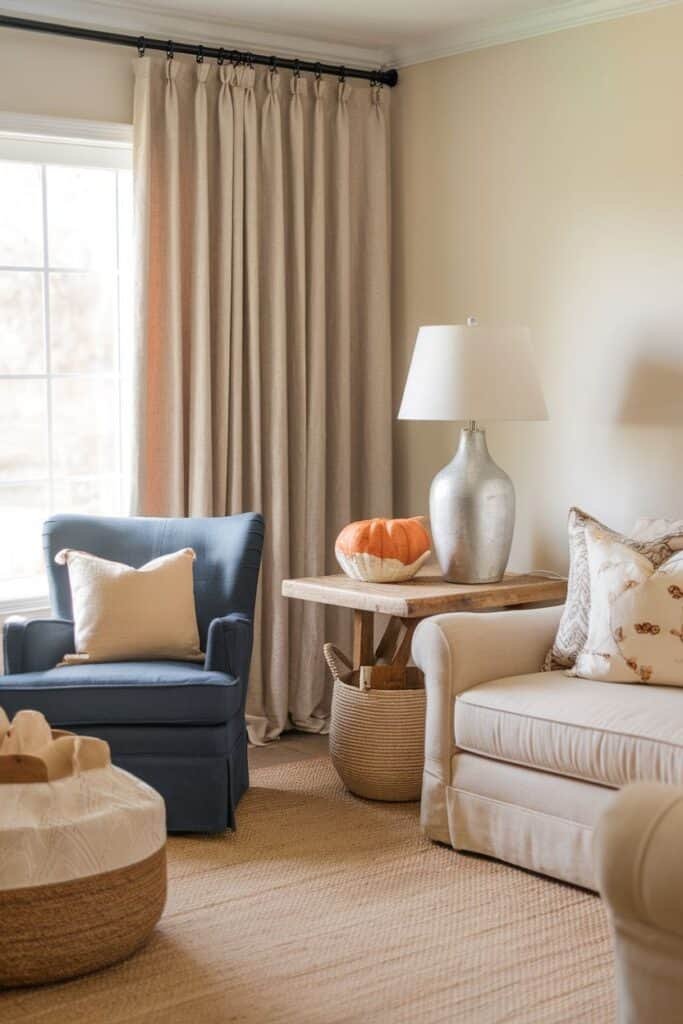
(65, 329)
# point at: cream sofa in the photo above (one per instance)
(640, 874)
(520, 764)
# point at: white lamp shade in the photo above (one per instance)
(472, 373)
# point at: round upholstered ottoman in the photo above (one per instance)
(82, 855)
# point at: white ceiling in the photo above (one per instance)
(369, 32)
(373, 23)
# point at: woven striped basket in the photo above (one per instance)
(376, 735)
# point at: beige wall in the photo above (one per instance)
(65, 77)
(542, 183)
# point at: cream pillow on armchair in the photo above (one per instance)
(635, 632)
(126, 614)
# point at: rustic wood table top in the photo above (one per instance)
(425, 594)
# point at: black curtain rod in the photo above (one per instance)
(142, 43)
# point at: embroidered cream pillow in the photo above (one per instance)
(573, 627)
(126, 614)
(635, 632)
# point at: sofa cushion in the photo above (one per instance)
(608, 733)
(124, 693)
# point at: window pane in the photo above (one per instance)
(99, 497)
(21, 215)
(23, 430)
(22, 349)
(84, 216)
(82, 322)
(81, 217)
(85, 426)
(22, 511)
(126, 234)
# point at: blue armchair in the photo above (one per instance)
(178, 725)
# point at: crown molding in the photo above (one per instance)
(494, 32)
(143, 19)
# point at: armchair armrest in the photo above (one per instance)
(228, 648)
(460, 650)
(36, 645)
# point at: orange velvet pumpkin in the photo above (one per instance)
(383, 550)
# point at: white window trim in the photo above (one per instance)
(107, 144)
(31, 607)
(104, 144)
(108, 133)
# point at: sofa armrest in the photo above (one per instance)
(460, 650)
(228, 648)
(639, 870)
(36, 645)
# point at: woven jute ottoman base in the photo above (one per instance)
(82, 854)
(52, 932)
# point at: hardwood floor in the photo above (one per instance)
(292, 746)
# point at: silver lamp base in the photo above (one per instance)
(472, 513)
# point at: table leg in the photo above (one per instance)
(402, 655)
(391, 658)
(363, 638)
(387, 645)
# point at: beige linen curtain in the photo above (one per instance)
(263, 373)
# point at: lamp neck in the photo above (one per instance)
(472, 441)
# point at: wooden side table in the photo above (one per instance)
(377, 737)
(407, 603)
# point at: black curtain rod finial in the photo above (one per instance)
(381, 77)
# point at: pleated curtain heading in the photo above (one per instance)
(263, 355)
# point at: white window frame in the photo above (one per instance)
(27, 138)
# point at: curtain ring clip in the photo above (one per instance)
(221, 57)
(318, 72)
(250, 60)
(200, 54)
(297, 68)
(342, 75)
(141, 46)
(169, 49)
(273, 65)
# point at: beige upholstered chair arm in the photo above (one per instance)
(639, 867)
(460, 650)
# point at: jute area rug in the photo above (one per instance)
(324, 908)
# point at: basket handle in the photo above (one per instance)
(337, 661)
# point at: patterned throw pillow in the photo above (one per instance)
(635, 633)
(573, 628)
(651, 527)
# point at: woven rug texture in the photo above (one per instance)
(323, 908)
